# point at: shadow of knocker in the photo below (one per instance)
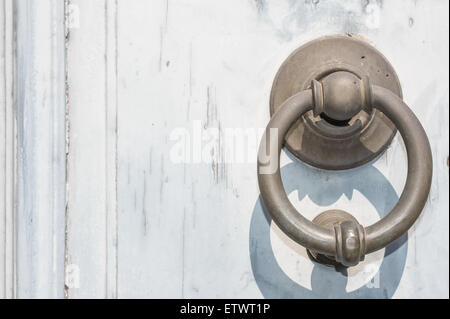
(326, 282)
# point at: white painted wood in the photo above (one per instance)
(7, 148)
(41, 184)
(138, 223)
(183, 229)
(91, 210)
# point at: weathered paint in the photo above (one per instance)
(91, 208)
(39, 226)
(7, 149)
(139, 225)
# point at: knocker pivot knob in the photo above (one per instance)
(341, 95)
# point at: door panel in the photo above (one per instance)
(166, 103)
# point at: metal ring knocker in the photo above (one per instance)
(336, 234)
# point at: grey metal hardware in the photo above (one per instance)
(340, 94)
(322, 141)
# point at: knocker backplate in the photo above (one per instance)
(323, 142)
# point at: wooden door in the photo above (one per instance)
(117, 122)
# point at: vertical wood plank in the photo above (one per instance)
(41, 179)
(151, 193)
(183, 227)
(7, 148)
(111, 104)
(91, 211)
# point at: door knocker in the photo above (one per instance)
(336, 103)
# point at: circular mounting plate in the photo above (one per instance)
(323, 142)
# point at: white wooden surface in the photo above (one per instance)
(40, 116)
(91, 208)
(7, 150)
(129, 221)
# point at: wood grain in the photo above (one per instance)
(93, 205)
(7, 149)
(41, 146)
(92, 116)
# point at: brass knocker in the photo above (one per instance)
(336, 104)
